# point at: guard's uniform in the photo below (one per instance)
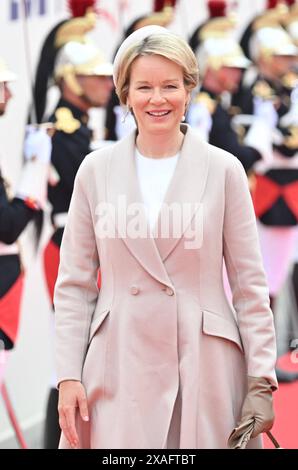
(14, 216)
(276, 185)
(274, 188)
(275, 197)
(220, 131)
(210, 111)
(71, 143)
(66, 55)
(15, 213)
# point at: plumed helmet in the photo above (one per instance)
(54, 54)
(213, 41)
(76, 58)
(265, 35)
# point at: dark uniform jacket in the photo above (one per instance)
(222, 134)
(14, 216)
(71, 143)
(282, 177)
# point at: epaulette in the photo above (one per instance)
(290, 80)
(205, 99)
(262, 89)
(291, 140)
(234, 110)
(65, 121)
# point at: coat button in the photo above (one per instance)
(169, 291)
(134, 290)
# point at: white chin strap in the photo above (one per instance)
(73, 84)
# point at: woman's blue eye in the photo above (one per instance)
(146, 87)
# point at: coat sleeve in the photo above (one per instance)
(76, 288)
(247, 277)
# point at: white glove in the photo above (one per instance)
(291, 118)
(38, 144)
(260, 137)
(199, 118)
(34, 177)
(260, 134)
(265, 110)
(122, 129)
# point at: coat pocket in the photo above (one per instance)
(216, 325)
(97, 322)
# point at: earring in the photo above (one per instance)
(125, 115)
(183, 118)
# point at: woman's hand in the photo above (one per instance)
(257, 413)
(72, 394)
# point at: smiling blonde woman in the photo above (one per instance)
(158, 358)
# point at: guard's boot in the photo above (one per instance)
(52, 429)
(285, 376)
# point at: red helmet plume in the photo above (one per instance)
(272, 4)
(159, 5)
(217, 8)
(79, 7)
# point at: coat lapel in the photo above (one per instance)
(123, 192)
(185, 190)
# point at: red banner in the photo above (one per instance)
(266, 192)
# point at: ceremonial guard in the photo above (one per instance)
(83, 77)
(222, 63)
(291, 24)
(118, 122)
(274, 190)
(275, 181)
(15, 213)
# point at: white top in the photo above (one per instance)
(154, 175)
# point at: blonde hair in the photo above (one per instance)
(171, 47)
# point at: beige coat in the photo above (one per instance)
(161, 321)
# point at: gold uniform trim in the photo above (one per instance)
(163, 18)
(290, 80)
(206, 100)
(263, 90)
(218, 27)
(75, 29)
(66, 121)
(271, 18)
(291, 141)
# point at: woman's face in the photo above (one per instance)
(157, 94)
